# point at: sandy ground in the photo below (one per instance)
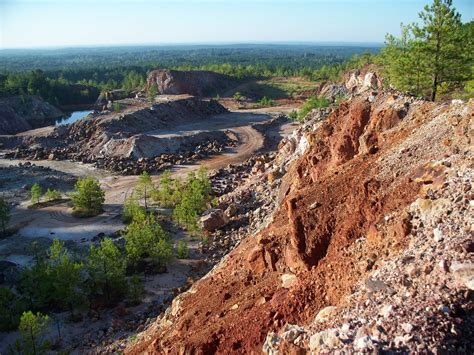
(57, 222)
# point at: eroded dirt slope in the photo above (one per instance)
(343, 211)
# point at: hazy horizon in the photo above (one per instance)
(42, 24)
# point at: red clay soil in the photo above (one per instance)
(353, 175)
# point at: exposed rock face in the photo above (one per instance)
(197, 83)
(103, 138)
(19, 114)
(349, 231)
(212, 219)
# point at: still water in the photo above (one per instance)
(73, 117)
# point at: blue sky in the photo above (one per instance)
(43, 23)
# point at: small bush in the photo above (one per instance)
(265, 102)
(52, 194)
(88, 198)
(36, 193)
(310, 104)
(136, 290)
(182, 250)
(293, 115)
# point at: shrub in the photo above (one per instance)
(106, 268)
(52, 194)
(5, 214)
(293, 115)
(132, 211)
(310, 104)
(54, 281)
(135, 290)
(9, 310)
(33, 328)
(146, 238)
(265, 102)
(88, 198)
(182, 251)
(237, 96)
(36, 193)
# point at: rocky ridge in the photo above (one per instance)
(18, 114)
(344, 231)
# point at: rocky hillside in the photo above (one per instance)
(362, 241)
(197, 83)
(117, 140)
(18, 114)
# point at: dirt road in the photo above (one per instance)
(57, 221)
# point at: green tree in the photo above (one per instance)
(437, 52)
(132, 210)
(194, 200)
(144, 188)
(9, 316)
(106, 267)
(88, 198)
(310, 104)
(52, 194)
(182, 250)
(237, 96)
(66, 277)
(166, 190)
(36, 193)
(4, 214)
(135, 290)
(33, 328)
(147, 238)
(152, 92)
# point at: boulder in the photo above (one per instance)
(213, 219)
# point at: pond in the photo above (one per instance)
(73, 117)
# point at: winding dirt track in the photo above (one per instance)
(57, 220)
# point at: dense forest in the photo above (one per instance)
(77, 75)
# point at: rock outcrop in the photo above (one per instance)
(372, 219)
(109, 139)
(19, 114)
(197, 83)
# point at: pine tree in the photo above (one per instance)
(36, 193)
(439, 51)
(106, 268)
(144, 188)
(4, 214)
(33, 327)
(152, 92)
(88, 198)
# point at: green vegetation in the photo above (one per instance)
(194, 200)
(106, 268)
(9, 310)
(144, 188)
(310, 104)
(53, 281)
(237, 96)
(145, 238)
(265, 102)
(152, 92)
(52, 194)
(132, 210)
(36, 193)
(33, 328)
(88, 198)
(293, 115)
(182, 250)
(434, 55)
(135, 290)
(117, 107)
(5, 214)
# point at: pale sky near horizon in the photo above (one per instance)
(46, 23)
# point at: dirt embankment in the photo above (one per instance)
(18, 114)
(197, 83)
(343, 210)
